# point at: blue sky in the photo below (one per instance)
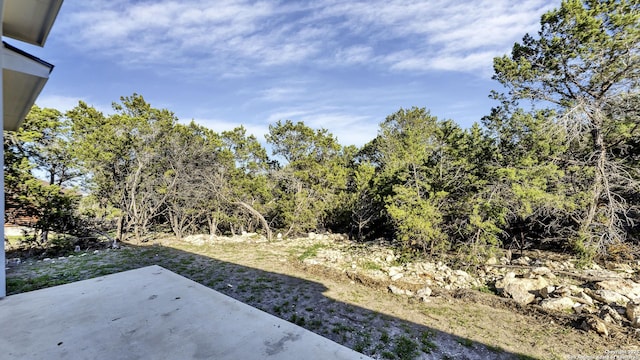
(341, 65)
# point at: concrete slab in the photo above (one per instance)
(149, 313)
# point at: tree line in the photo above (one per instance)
(554, 164)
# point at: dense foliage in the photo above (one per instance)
(561, 171)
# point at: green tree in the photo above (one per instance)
(41, 146)
(585, 64)
(124, 154)
(313, 176)
(404, 146)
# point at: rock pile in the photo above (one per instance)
(600, 297)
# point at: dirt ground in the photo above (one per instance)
(360, 314)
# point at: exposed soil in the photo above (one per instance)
(347, 306)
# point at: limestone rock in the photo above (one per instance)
(558, 304)
(608, 296)
(583, 298)
(521, 290)
(595, 324)
(626, 287)
(609, 315)
(394, 270)
(397, 276)
(633, 313)
(398, 291)
(424, 293)
(522, 261)
(543, 271)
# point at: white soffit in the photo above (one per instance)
(24, 76)
(29, 20)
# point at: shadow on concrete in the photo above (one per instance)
(300, 301)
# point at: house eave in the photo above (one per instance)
(29, 21)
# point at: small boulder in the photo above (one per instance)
(583, 298)
(596, 324)
(396, 272)
(521, 290)
(609, 315)
(424, 293)
(633, 313)
(542, 271)
(626, 287)
(525, 261)
(608, 296)
(558, 304)
(396, 290)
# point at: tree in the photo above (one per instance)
(124, 154)
(404, 146)
(531, 178)
(585, 64)
(41, 146)
(362, 194)
(45, 138)
(314, 174)
(247, 177)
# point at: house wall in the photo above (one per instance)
(3, 276)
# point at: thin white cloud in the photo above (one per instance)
(230, 38)
(64, 103)
(220, 125)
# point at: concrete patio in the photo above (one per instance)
(149, 313)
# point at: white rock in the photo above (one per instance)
(394, 270)
(396, 290)
(583, 298)
(608, 296)
(557, 304)
(462, 274)
(397, 277)
(521, 290)
(624, 287)
(425, 291)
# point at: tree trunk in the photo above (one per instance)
(258, 216)
(600, 187)
(119, 228)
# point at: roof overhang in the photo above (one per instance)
(24, 76)
(29, 20)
